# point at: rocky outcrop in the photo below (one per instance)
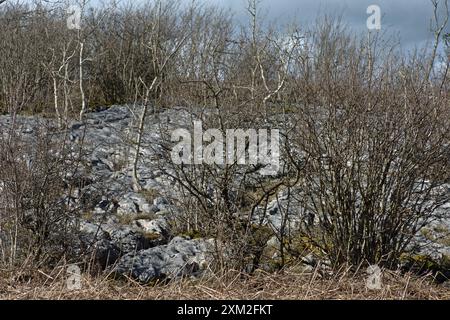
(132, 230)
(97, 244)
(181, 257)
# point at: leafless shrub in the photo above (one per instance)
(365, 128)
(38, 221)
(373, 137)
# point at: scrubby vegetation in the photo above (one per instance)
(365, 147)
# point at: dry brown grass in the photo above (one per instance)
(287, 285)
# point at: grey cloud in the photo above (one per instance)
(409, 19)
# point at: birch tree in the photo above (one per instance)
(160, 56)
(438, 26)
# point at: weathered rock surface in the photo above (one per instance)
(97, 244)
(132, 228)
(181, 257)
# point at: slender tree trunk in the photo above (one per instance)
(135, 179)
(55, 96)
(83, 98)
(136, 184)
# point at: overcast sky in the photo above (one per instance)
(409, 19)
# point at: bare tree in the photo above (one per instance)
(160, 59)
(438, 29)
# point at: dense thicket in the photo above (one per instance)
(365, 127)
